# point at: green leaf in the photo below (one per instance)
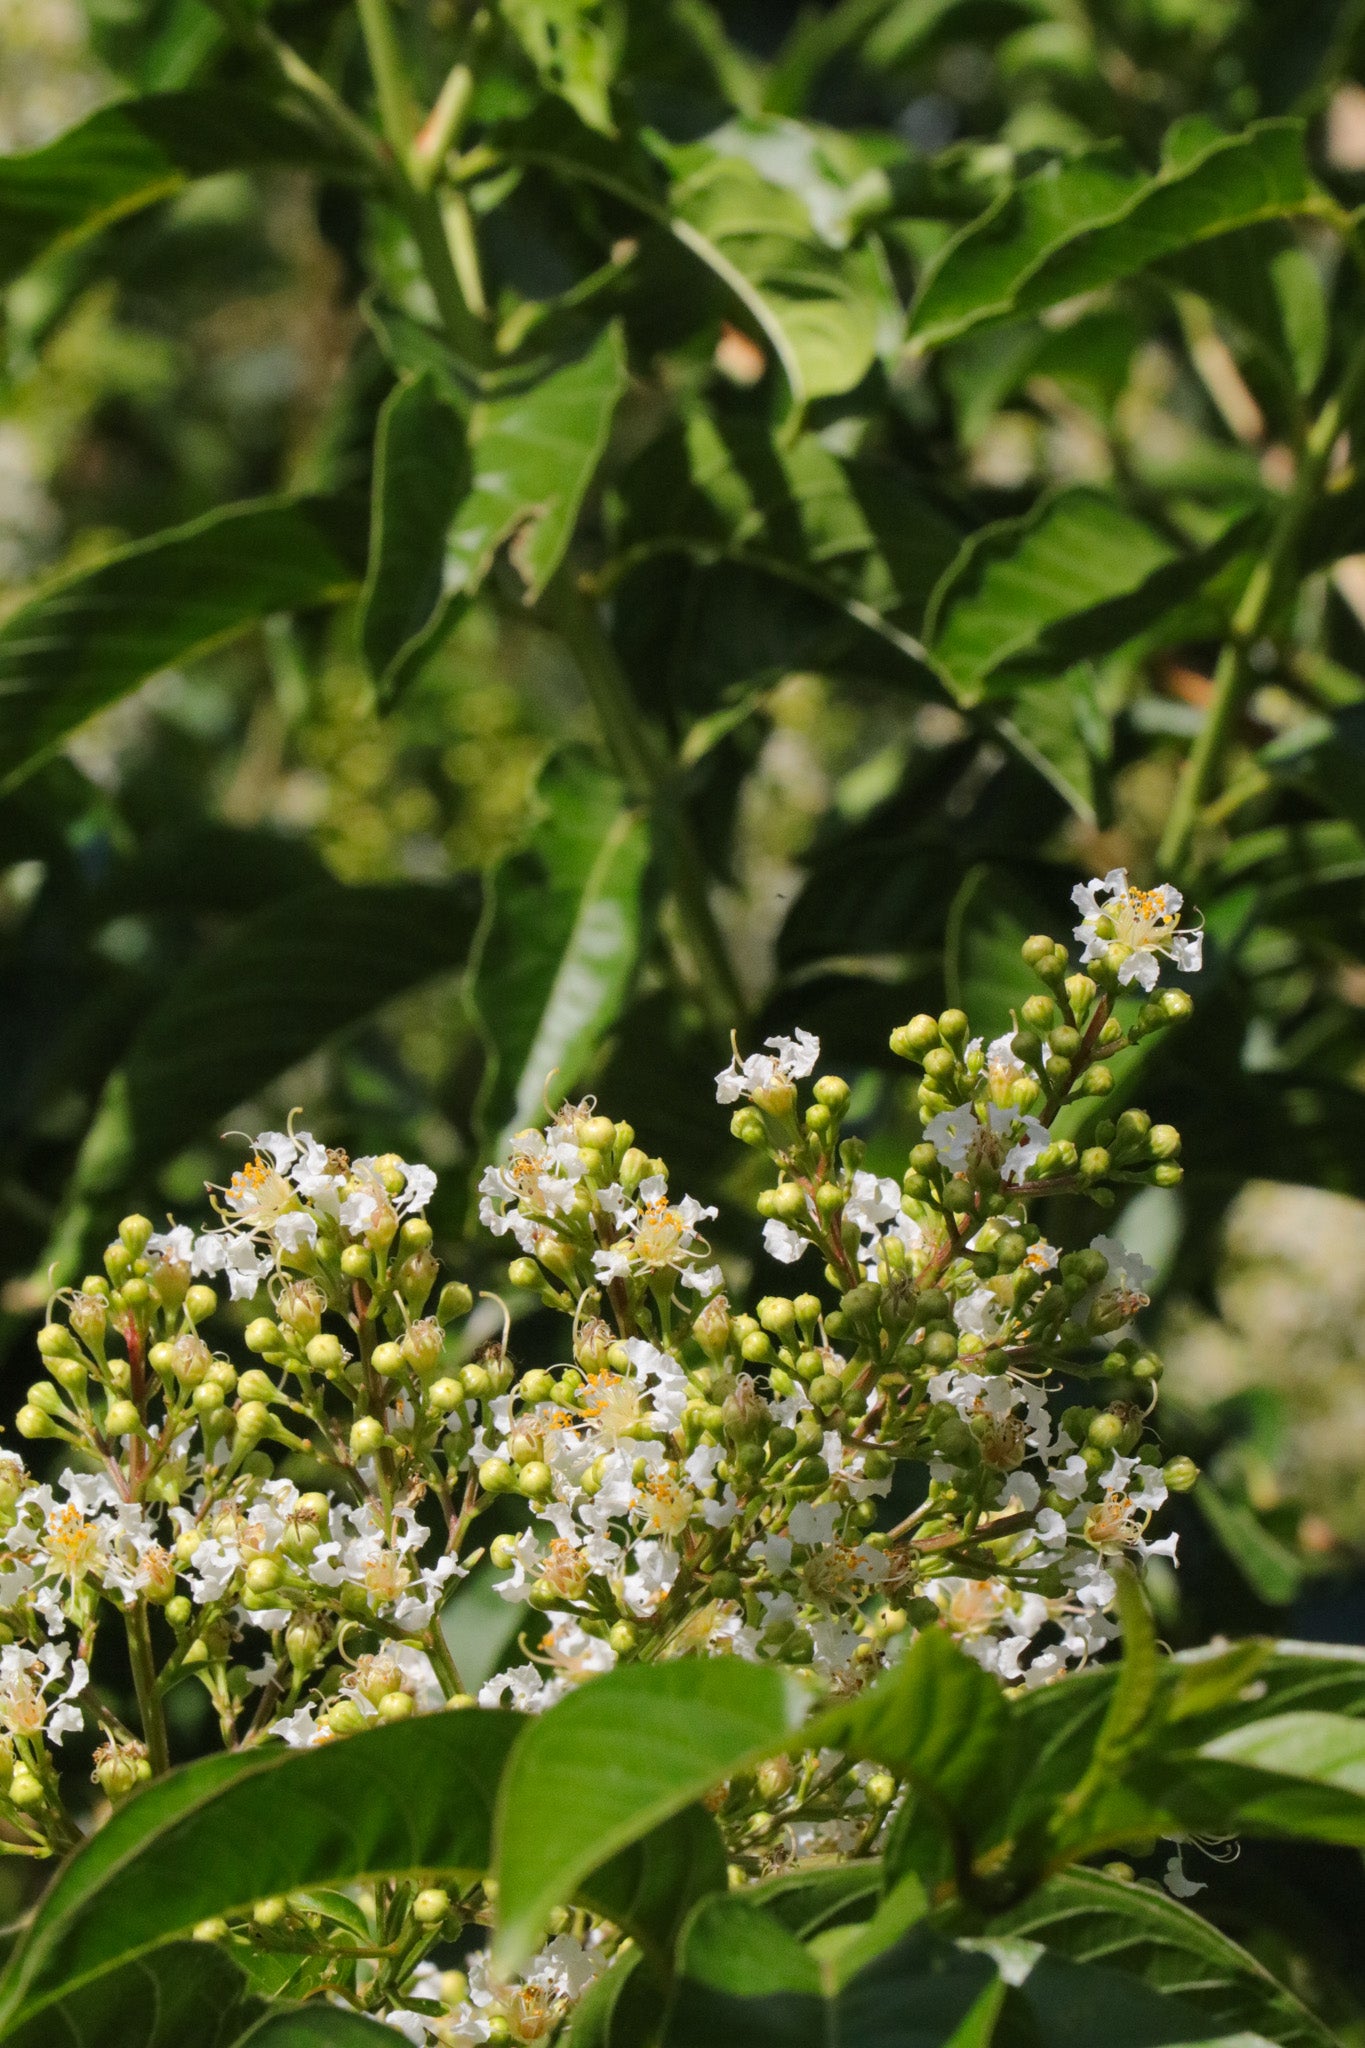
(420, 471)
(218, 1834)
(825, 312)
(859, 531)
(315, 2026)
(983, 968)
(128, 155)
(573, 50)
(188, 1991)
(745, 1978)
(86, 641)
(1078, 225)
(1147, 1934)
(283, 983)
(1068, 2004)
(559, 953)
(533, 455)
(1076, 576)
(614, 1759)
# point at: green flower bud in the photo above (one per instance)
(134, 1232)
(880, 1789)
(911, 1041)
(270, 1912)
(346, 1717)
(1163, 1141)
(746, 1124)
(355, 1262)
(1168, 1175)
(940, 1064)
(210, 1930)
(430, 1907)
(1180, 1474)
(34, 1422)
(200, 1302)
(536, 1386)
(833, 1093)
(255, 1385)
(262, 1335)
(1106, 1432)
(1094, 1161)
(1039, 1013)
(526, 1274)
(367, 1436)
(56, 1341)
(534, 1479)
(1176, 1004)
(397, 1706)
(455, 1300)
(443, 1395)
(208, 1398)
(325, 1353)
(496, 1476)
(623, 1637)
(387, 1359)
(69, 1373)
(122, 1419)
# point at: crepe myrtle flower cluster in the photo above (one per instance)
(896, 1447)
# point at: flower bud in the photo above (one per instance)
(69, 1373)
(209, 1930)
(397, 1706)
(134, 1232)
(122, 1419)
(261, 1335)
(911, 1041)
(496, 1476)
(255, 1385)
(746, 1124)
(430, 1907)
(89, 1319)
(534, 1480)
(387, 1359)
(355, 1262)
(325, 1354)
(367, 1436)
(208, 1398)
(775, 1776)
(25, 1789)
(1180, 1474)
(623, 1637)
(346, 1717)
(1163, 1141)
(200, 1302)
(253, 1420)
(444, 1394)
(880, 1789)
(712, 1327)
(455, 1300)
(270, 1912)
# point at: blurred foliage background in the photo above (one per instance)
(868, 842)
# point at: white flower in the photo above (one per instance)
(1146, 921)
(791, 1060)
(781, 1242)
(1028, 1150)
(176, 1245)
(872, 1201)
(295, 1229)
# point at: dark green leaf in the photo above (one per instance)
(533, 455)
(186, 1992)
(421, 469)
(128, 155)
(745, 1978)
(85, 642)
(285, 982)
(560, 950)
(1075, 577)
(218, 1834)
(1076, 226)
(316, 2026)
(613, 1760)
(1147, 1934)
(1274, 1570)
(573, 51)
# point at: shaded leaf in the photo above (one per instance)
(126, 156)
(218, 1834)
(88, 640)
(420, 471)
(745, 1978)
(1147, 1934)
(188, 1991)
(611, 1761)
(285, 982)
(1080, 224)
(573, 51)
(560, 949)
(316, 2026)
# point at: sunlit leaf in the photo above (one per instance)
(557, 958)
